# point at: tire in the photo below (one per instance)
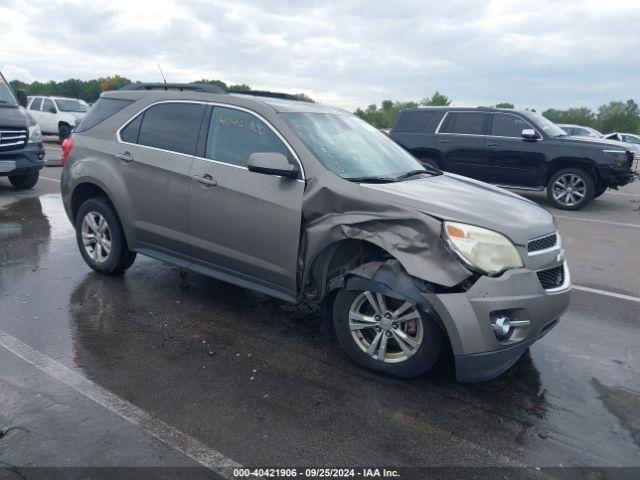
(599, 191)
(64, 132)
(397, 362)
(566, 185)
(118, 257)
(24, 182)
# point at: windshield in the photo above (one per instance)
(546, 125)
(6, 94)
(352, 148)
(70, 105)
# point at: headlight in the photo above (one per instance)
(35, 134)
(619, 157)
(481, 249)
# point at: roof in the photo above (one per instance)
(487, 109)
(195, 92)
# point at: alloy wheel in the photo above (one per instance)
(569, 189)
(96, 237)
(385, 328)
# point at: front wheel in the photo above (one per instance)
(386, 334)
(101, 239)
(570, 189)
(24, 182)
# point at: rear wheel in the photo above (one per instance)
(24, 182)
(64, 132)
(570, 189)
(101, 239)
(386, 334)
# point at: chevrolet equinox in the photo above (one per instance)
(305, 202)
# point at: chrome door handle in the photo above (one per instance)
(493, 144)
(206, 180)
(124, 157)
(444, 141)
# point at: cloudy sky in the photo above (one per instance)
(348, 53)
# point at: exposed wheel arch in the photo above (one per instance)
(568, 162)
(84, 192)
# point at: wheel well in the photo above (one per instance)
(82, 193)
(61, 123)
(562, 163)
(340, 257)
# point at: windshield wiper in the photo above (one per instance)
(370, 179)
(412, 173)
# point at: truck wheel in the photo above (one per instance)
(24, 182)
(386, 334)
(64, 132)
(570, 189)
(101, 239)
(599, 191)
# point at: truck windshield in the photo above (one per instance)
(6, 94)
(352, 148)
(546, 125)
(70, 105)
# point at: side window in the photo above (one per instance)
(100, 111)
(469, 123)
(508, 125)
(234, 135)
(630, 139)
(130, 132)
(172, 126)
(413, 121)
(36, 104)
(48, 106)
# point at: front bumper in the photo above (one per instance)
(466, 317)
(613, 178)
(22, 161)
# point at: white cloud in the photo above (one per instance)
(348, 52)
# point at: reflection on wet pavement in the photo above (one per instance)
(262, 381)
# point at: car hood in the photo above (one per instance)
(596, 142)
(13, 116)
(461, 199)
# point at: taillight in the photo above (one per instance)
(66, 146)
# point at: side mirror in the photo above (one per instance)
(22, 98)
(530, 134)
(272, 163)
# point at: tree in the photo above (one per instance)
(113, 83)
(619, 117)
(504, 105)
(304, 97)
(437, 100)
(578, 116)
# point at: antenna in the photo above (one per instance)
(164, 79)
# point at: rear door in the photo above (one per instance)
(245, 226)
(49, 117)
(34, 109)
(461, 142)
(512, 159)
(157, 149)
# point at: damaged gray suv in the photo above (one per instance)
(304, 202)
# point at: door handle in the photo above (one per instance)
(124, 157)
(205, 180)
(444, 141)
(493, 144)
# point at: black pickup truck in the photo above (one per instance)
(21, 149)
(515, 149)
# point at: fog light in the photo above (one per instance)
(501, 325)
(40, 156)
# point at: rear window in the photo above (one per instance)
(101, 110)
(413, 121)
(468, 123)
(172, 126)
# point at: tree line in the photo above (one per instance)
(615, 116)
(90, 90)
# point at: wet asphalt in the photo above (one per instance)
(261, 382)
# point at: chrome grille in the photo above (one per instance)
(13, 138)
(542, 243)
(552, 277)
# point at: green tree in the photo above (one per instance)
(578, 116)
(504, 105)
(619, 117)
(113, 83)
(436, 100)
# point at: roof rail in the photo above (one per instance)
(191, 87)
(264, 93)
